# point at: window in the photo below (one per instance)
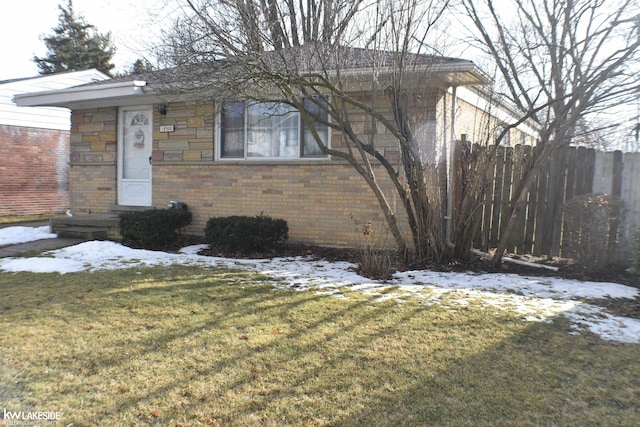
(269, 130)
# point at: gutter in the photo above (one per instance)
(92, 92)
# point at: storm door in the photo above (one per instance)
(134, 156)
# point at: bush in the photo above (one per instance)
(244, 234)
(635, 254)
(153, 229)
(377, 263)
(376, 260)
(591, 230)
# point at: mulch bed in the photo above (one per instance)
(613, 274)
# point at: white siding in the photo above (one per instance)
(41, 117)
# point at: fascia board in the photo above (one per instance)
(474, 75)
(68, 97)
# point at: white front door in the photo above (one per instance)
(134, 156)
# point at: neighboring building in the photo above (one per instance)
(34, 146)
(133, 144)
(485, 115)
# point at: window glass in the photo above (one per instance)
(232, 135)
(310, 147)
(269, 130)
(272, 130)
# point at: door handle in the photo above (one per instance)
(150, 160)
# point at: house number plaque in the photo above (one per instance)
(167, 128)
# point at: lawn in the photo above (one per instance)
(193, 345)
(9, 219)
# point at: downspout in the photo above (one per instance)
(452, 154)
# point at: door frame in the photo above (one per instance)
(120, 161)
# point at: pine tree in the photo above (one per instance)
(141, 66)
(76, 45)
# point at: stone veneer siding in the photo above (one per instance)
(93, 158)
(321, 200)
(34, 173)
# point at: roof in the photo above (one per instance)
(38, 116)
(361, 61)
(156, 87)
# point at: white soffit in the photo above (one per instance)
(97, 94)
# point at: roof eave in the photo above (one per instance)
(86, 95)
(463, 73)
(460, 73)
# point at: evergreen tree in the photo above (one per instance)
(75, 46)
(141, 66)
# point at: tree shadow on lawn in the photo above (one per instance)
(539, 376)
(185, 347)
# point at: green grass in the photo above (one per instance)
(184, 346)
(7, 219)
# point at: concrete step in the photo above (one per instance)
(118, 209)
(100, 221)
(88, 227)
(89, 233)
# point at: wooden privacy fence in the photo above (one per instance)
(542, 226)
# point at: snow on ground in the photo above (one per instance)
(532, 298)
(14, 235)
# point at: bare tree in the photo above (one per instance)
(215, 29)
(319, 56)
(560, 61)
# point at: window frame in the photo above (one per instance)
(301, 132)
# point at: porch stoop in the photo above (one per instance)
(93, 226)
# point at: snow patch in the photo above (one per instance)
(532, 298)
(15, 235)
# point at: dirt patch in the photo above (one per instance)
(614, 274)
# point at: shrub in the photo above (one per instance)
(376, 263)
(244, 234)
(155, 228)
(591, 230)
(376, 260)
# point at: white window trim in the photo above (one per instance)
(246, 159)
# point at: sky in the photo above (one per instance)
(134, 26)
(530, 299)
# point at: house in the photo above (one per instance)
(34, 142)
(135, 143)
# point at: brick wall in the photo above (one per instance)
(319, 201)
(34, 174)
(93, 158)
(93, 187)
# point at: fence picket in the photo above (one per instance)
(571, 172)
(541, 200)
(497, 198)
(507, 181)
